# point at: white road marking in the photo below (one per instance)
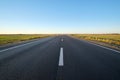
(61, 63)
(99, 45)
(16, 47)
(62, 39)
(106, 48)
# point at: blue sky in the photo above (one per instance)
(59, 16)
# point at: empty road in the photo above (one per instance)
(59, 58)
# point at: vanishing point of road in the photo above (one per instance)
(59, 58)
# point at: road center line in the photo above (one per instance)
(61, 63)
(62, 39)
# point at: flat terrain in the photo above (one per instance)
(13, 38)
(109, 40)
(59, 58)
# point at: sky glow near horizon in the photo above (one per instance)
(59, 16)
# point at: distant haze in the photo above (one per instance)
(59, 16)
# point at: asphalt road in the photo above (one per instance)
(59, 58)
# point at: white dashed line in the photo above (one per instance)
(62, 39)
(61, 63)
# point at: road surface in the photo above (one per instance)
(59, 58)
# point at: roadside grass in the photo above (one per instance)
(113, 40)
(12, 38)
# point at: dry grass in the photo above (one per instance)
(109, 39)
(12, 38)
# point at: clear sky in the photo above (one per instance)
(59, 16)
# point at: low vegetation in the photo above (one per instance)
(109, 39)
(12, 38)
